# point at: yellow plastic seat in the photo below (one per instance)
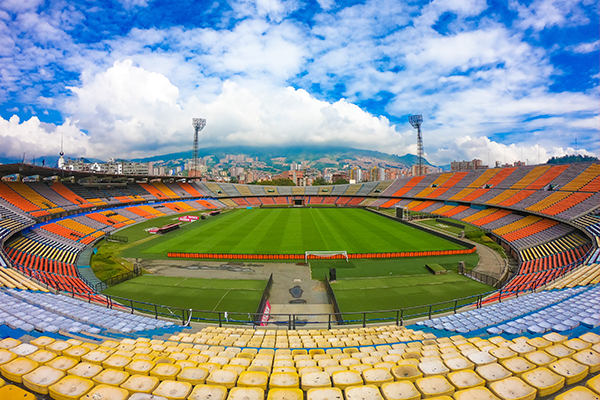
(503, 353)
(116, 362)
(208, 392)
(58, 346)
(545, 381)
(555, 338)
(106, 392)
(377, 376)
(465, 379)
(165, 371)
(220, 377)
(402, 390)
(539, 343)
(594, 384)
(111, 377)
(209, 366)
(257, 379)
(517, 365)
(333, 368)
(76, 352)
(15, 369)
(458, 364)
(70, 387)
(6, 356)
(246, 393)
(173, 390)
(41, 378)
(559, 351)
(139, 367)
(9, 343)
(95, 357)
(370, 392)
(540, 358)
(577, 344)
(285, 394)
(315, 380)
(406, 372)
(42, 356)
(433, 368)
(284, 380)
(42, 341)
(12, 392)
(433, 386)
(344, 379)
(62, 363)
(578, 393)
(513, 388)
(193, 375)
(476, 393)
(332, 393)
(522, 348)
(480, 358)
(140, 384)
(85, 370)
(570, 369)
(588, 357)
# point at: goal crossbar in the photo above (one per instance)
(325, 254)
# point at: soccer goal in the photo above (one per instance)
(325, 254)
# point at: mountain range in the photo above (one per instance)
(292, 154)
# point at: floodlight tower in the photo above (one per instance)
(198, 124)
(416, 121)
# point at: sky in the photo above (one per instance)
(494, 80)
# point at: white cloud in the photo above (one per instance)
(37, 139)
(275, 10)
(584, 48)
(326, 4)
(544, 14)
(17, 6)
(133, 112)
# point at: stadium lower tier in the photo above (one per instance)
(387, 362)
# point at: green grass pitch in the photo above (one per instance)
(240, 295)
(371, 294)
(292, 231)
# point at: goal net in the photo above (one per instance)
(325, 254)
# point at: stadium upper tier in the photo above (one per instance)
(541, 214)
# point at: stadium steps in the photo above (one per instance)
(89, 276)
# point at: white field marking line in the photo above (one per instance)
(184, 279)
(217, 305)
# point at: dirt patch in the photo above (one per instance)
(319, 287)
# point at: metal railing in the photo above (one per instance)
(263, 300)
(115, 280)
(483, 278)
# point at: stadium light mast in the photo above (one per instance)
(198, 124)
(416, 121)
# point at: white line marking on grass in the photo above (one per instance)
(215, 309)
(184, 279)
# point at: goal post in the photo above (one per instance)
(325, 254)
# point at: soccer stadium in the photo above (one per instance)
(357, 291)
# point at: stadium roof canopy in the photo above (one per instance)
(46, 172)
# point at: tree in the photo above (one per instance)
(340, 181)
(278, 182)
(320, 181)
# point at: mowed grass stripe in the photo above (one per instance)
(199, 294)
(294, 231)
(388, 298)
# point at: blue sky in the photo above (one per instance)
(494, 80)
